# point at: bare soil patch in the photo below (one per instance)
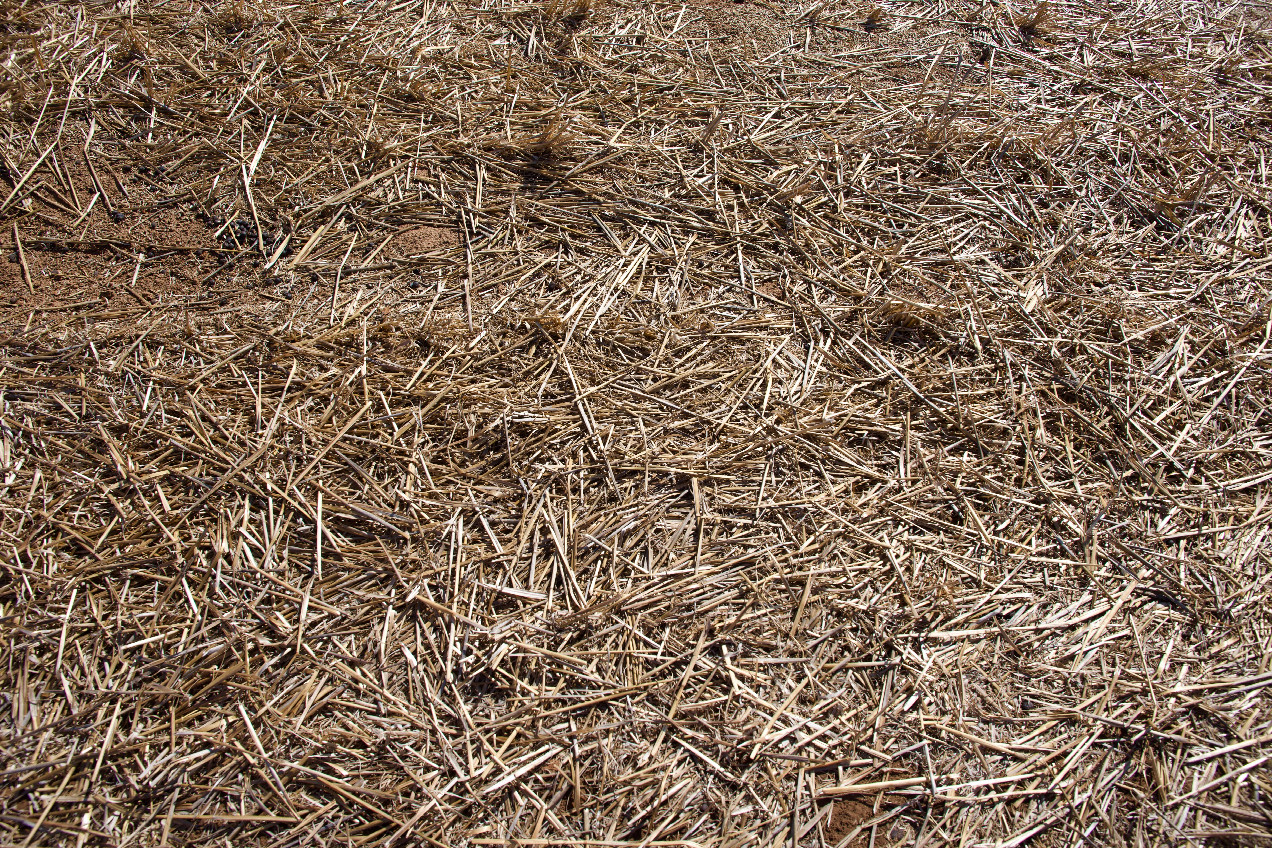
(422, 240)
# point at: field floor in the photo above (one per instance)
(611, 423)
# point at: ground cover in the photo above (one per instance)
(613, 423)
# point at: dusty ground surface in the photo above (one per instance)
(708, 423)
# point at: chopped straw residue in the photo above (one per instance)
(605, 423)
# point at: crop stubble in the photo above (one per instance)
(716, 424)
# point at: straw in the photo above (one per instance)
(650, 424)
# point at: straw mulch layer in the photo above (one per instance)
(718, 424)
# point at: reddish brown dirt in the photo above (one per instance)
(848, 814)
(421, 240)
(71, 258)
(65, 269)
(135, 247)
